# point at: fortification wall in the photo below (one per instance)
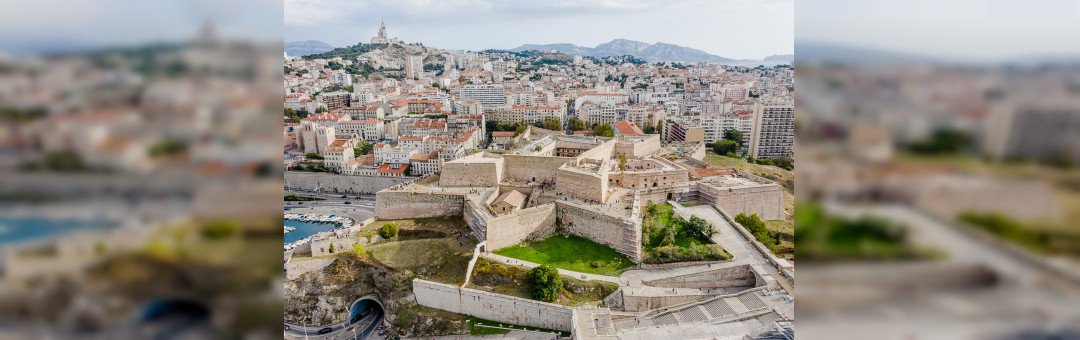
(650, 178)
(592, 186)
(622, 235)
(639, 148)
(341, 183)
(471, 174)
(738, 276)
(600, 152)
(392, 205)
(635, 303)
(476, 218)
(492, 306)
(532, 168)
(513, 228)
(765, 201)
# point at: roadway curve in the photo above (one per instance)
(344, 329)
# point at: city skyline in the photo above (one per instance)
(583, 23)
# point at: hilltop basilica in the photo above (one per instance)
(382, 39)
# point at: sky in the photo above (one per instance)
(34, 26)
(740, 29)
(963, 30)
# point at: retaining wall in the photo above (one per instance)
(513, 228)
(532, 168)
(341, 183)
(492, 306)
(392, 205)
(622, 235)
(738, 276)
(634, 303)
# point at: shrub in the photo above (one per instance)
(220, 229)
(388, 230)
(546, 283)
(358, 250)
(331, 248)
(764, 161)
(595, 264)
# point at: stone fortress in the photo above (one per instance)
(590, 187)
(597, 188)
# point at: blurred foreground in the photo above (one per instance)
(140, 191)
(938, 200)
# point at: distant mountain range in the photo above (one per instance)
(650, 52)
(302, 48)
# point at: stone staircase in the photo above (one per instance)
(720, 309)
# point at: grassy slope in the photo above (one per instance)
(440, 260)
(569, 252)
(513, 283)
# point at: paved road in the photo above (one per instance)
(341, 330)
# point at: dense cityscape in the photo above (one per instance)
(564, 195)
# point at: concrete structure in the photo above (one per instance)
(774, 132)
(493, 306)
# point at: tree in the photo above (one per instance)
(552, 124)
(358, 250)
(388, 230)
(733, 135)
(576, 124)
(546, 283)
(321, 109)
(784, 162)
(520, 130)
(725, 146)
(764, 161)
(363, 148)
(622, 162)
(603, 130)
(749, 159)
(312, 155)
(699, 227)
(331, 247)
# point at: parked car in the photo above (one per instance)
(347, 202)
(326, 330)
(344, 196)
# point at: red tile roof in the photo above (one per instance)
(386, 168)
(627, 127)
(502, 134)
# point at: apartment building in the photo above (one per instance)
(774, 128)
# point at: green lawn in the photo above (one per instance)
(571, 253)
(663, 239)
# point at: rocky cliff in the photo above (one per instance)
(324, 297)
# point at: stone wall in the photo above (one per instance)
(392, 205)
(765, 201)
(622, 235)
(649, 178)
(476, 217)
(341, 183)
(492, 306)
(533, 168)
(639, 148)
(513, 228)
(738, 276)
(638, 303)
(600, 152)
(582, 184)
(466, 173)
(699, 152)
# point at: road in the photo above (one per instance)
(363, 329)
